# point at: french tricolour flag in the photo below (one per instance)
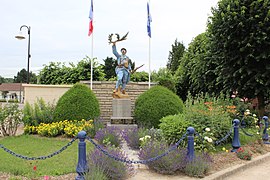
(91, 19)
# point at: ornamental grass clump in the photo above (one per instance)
(199, 166)
(112, 169)
(108, 136)
(243, 154)
(168, 164)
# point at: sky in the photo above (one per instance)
(59, 30)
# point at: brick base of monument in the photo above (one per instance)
(121, 111)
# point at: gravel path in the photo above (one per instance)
(143, 173)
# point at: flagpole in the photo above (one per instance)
(149, 51)
(92, 49)
(149, 61)
(91, 32)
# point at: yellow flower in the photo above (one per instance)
(223, 149)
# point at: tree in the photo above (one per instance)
(49, 73)
(164, 78)
(175, 56)
(83, 69)
(109, 67)
(22, 77)
(6, 80)
(139, 77)
(240, 47)
(195, 73)
(59, 73)
(2, 79)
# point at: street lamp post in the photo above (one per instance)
(20, 36)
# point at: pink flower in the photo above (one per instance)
(46, 178)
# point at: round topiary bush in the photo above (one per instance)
(78, 103)
(155, 104)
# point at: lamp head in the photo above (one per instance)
(20, 36)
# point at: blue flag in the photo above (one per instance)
(149, 20)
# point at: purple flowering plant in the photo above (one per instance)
(109, 136)
(170, 163)
(112, 168)
(132, 136)
(199, 166)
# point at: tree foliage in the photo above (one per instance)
(5, 80)
(22, 77)
(195, 73)
(139, 76)
(164, 77)
(240, 47)
(59, 73)
(109, 67)
(175, 56)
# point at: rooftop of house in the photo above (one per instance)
(11, 87)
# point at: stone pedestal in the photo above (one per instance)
(122, 126)
(121, 109)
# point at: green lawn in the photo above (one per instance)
(35, 146)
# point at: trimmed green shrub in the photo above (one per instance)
(78, 103)
(155, 104)
(174, 127)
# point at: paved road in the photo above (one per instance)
(261, 171)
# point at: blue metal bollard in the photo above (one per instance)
(190, 147)
(265, 136)
(236, 142)
(82, 162)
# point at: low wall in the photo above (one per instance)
(102, 89)
(49, 93)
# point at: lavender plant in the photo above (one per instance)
(108, 136)
(173, 161)
(132, 136)
(199, 166)
(96, 173)
(113, 169)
